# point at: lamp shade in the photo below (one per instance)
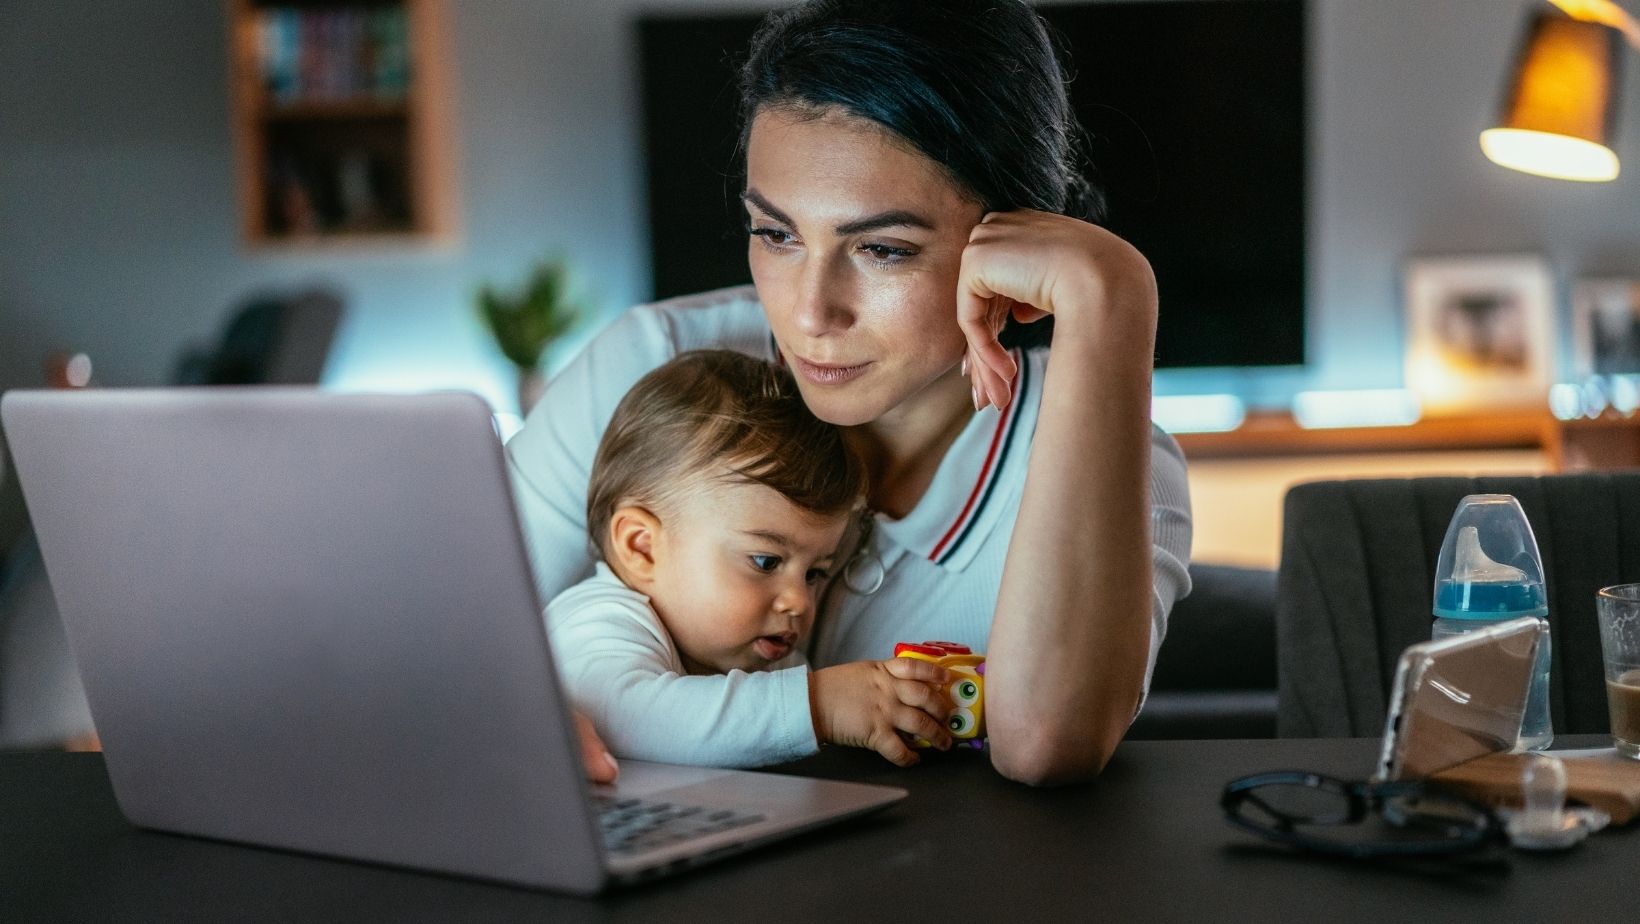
(1560, 112)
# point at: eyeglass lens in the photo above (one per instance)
(1322, 814)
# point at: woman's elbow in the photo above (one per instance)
(1051, 757)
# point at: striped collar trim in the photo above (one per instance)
(996, 458)
(949, 525)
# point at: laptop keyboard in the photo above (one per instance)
(633, 826)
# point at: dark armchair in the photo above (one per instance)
(271, 340)
(1357, 573)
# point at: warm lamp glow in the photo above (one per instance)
(1560, 114)
(1439, 388)
(1561, 157)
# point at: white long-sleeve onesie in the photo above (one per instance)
(620, 667)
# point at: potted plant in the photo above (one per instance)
(527, 322)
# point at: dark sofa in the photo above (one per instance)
(1216, 673)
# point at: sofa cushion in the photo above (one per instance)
(1216, 673)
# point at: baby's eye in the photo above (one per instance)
(817, 575)
(765, 563)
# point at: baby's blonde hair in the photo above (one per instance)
(718, 414)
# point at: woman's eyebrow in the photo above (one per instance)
(765, 206)
(894, 218)
(898, 218)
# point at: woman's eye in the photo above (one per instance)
(765, 563)
(773, 238)
(886, 255)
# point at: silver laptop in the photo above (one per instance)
(307, 621)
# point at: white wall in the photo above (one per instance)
(117, 213)
(118, 229)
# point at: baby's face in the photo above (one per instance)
(738, 568)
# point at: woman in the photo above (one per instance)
(915, 213)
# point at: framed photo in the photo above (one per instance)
(1480, 331)
(1606, 327)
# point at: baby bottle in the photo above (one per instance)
(1489, 570)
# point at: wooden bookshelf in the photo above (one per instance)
(338, 110)
(341, 122)
(1608, 442)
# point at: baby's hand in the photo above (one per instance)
(869, 703)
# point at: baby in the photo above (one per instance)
(716, 505)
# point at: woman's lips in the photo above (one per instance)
(828, 373)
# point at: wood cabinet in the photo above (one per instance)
(1608, 442)
(1238, 479)
(341, 121)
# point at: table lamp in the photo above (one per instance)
(1559, 112)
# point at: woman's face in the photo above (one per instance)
(856, 242)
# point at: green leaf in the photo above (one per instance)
(525, 323)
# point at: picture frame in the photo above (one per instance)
(1479, 331)
(1606, 327)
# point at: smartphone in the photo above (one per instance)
(1459, 698)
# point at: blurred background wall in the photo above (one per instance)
(119, 235)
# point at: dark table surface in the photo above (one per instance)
(1143, 842)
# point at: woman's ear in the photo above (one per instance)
(632, 534)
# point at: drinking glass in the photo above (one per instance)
(1619, 610)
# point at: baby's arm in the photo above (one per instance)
(869, 703)
(620, 673)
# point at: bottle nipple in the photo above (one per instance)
(1471, 565)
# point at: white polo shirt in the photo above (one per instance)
(933, 574)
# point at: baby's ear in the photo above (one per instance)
(632, 532)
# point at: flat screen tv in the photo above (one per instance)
(1195, 115)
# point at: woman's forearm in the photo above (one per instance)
(1070, 640)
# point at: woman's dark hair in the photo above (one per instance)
(974, 85)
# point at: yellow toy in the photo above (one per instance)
(967, 690)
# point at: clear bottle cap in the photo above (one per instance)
(1489, 567)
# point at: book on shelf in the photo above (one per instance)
(350, 191)
(345, 54)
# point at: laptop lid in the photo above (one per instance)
(306, 620)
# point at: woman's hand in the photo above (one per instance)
(869, 704)
(1031, 264)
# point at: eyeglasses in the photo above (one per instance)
(1402, 819)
